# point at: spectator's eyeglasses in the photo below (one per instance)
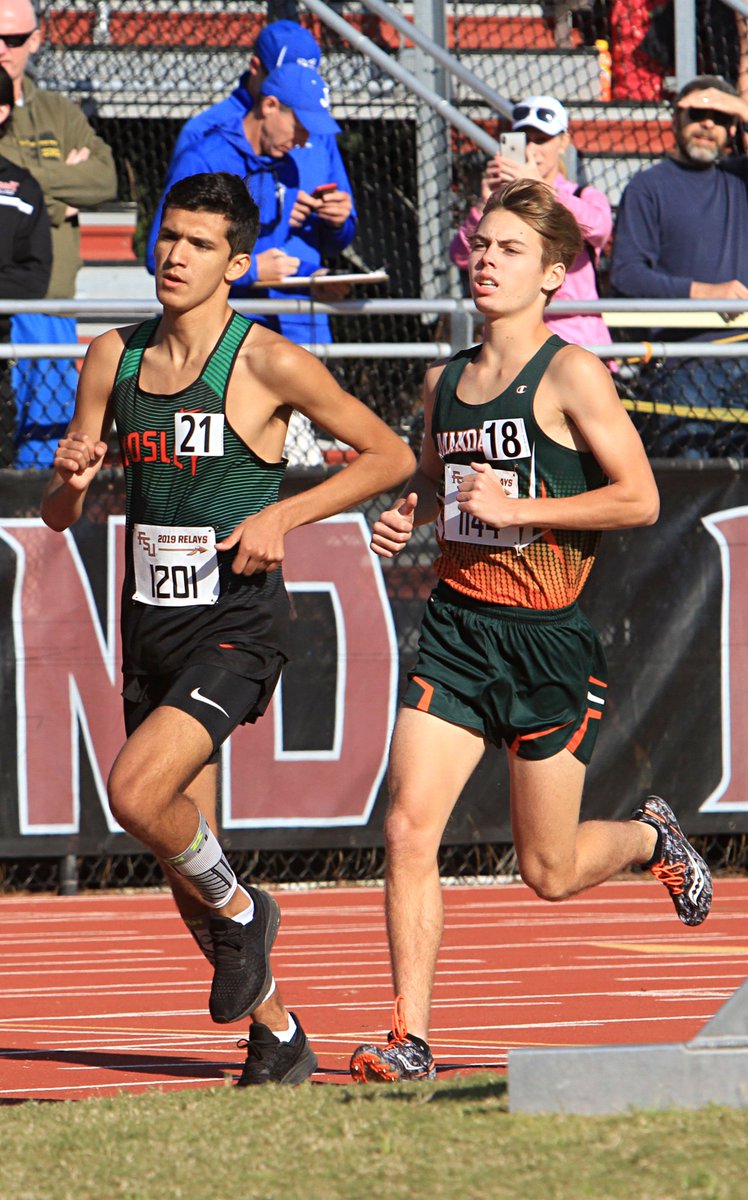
(15, 40)
(543, 114)
(694, 116)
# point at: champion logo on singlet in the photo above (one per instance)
(522, 389)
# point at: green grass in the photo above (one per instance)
(447, 1141)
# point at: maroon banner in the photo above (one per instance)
(671, 605)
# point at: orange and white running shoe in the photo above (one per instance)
(404, 1057)
(683, 872)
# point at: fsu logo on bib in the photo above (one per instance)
(175, 566)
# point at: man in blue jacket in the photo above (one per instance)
(682, 232)
(298, 228)
(278, 44)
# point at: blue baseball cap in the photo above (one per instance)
(304, 91)
(285, 42)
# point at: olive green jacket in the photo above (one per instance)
(44, 129)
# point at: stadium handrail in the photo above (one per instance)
(646, 312)
(392, 306)
(392, 67)
(437, 52)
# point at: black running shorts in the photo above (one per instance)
(249, 618)
(216, 697)
(220, 663)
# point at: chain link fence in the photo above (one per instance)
(485, 862)
(140, 68)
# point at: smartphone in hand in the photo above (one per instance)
(323, 189)
(513, 147)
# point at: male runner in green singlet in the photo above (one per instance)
(201, 398)
(528, 454)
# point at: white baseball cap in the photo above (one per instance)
(543, 113)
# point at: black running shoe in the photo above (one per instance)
(683, 872)
(242, 973)
(404, 1057)
(271, 1061)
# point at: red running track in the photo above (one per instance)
(104, 993)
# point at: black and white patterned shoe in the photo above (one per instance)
(271, 1061)
(404, 1057)
(683, 872)
(242, 975)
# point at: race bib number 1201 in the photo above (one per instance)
(175, 565)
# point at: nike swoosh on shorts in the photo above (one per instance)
(195, 695)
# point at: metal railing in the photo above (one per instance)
(441, 106)
(461, 315)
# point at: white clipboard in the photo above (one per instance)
(294, 281)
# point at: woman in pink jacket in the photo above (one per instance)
(545, 123)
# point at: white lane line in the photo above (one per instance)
(119, 1086)
(110, 1016)
(41, 966)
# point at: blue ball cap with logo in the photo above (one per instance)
(306, 92)
(287, 42)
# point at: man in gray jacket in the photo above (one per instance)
(52, 139)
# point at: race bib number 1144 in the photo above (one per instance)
(461, 526)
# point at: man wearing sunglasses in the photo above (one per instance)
(52, 139)
(682, 232)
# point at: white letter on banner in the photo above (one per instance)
(268, 787)
(68, 685)
(67, 674)
(730, 530)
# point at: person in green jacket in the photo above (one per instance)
(52, 139)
